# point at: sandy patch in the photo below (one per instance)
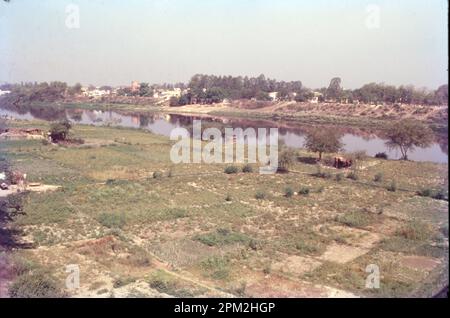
(421, 263)
(296, 265)
(342, 253)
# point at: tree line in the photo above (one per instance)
(213, 89)
(208, 89)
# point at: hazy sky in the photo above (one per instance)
(169, 40)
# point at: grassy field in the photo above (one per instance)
(140, 226)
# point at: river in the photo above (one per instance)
(290, 133)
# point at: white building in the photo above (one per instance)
(273, 96)
(95, 92)
(4, 92)
(315, 98)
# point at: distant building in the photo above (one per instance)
(135, 86)
(316, 97)
(96, 92)
(273, 96)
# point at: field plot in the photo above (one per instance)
(139, 226)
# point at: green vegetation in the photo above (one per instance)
(231, 169)
(222, 237)
(202, 227)
(247, 168)
(288, 192)
(356, 219)
(323, 140)
(112, 220)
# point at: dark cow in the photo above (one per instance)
(340, 162)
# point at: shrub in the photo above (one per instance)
(339, 177)
(392, 187)
(247, 169)
(352, 175)
(286, 159)
(228, 198)
(217, 267)
(60, 130)
(378, 177)
(381, 155)
(122, 281)
(169, 173)
(356, 219)
(304, 191)
(231, 169)
(288, 192)
(359, 155)
(424, 192)
(157, 175)
(260, 195)
(222, 237)
(112, 220)
(34, 285)
(440, 195)
(415, 230)
(321, 174)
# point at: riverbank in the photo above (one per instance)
(357, 115)
(139, 225)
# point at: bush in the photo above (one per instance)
(288, 192)
(217, 267)
(424, 192)
(392, 187)
(321, 174)
(356, 219)
(304, 191)
(222, 237)
(381, 155)
(247, 168)
(359, 155)
(339, 177)
(122, 281)
(60, 130)
(228, 198)
(378, 177)
(231, 169)
(34, 285)
(260, 195)
(440, 195)
(352, 175)
(415, 230)
(286, 159)
(157, 175)
(111, 220)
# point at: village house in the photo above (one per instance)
(316, 97)
(4, 92)
(273, 96)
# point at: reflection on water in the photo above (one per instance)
(291, 134)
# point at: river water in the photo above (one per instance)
(290, 133)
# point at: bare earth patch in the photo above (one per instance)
(296, 265)
(421, 263)
(342, 253)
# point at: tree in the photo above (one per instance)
(441, 95)
(144, 89)
(60, 130)
(334, 90)
(75, 89)
(173, 101)
(323, 140)
(407, 134)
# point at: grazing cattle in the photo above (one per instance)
(341, 162)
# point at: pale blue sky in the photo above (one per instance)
(170, 40)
